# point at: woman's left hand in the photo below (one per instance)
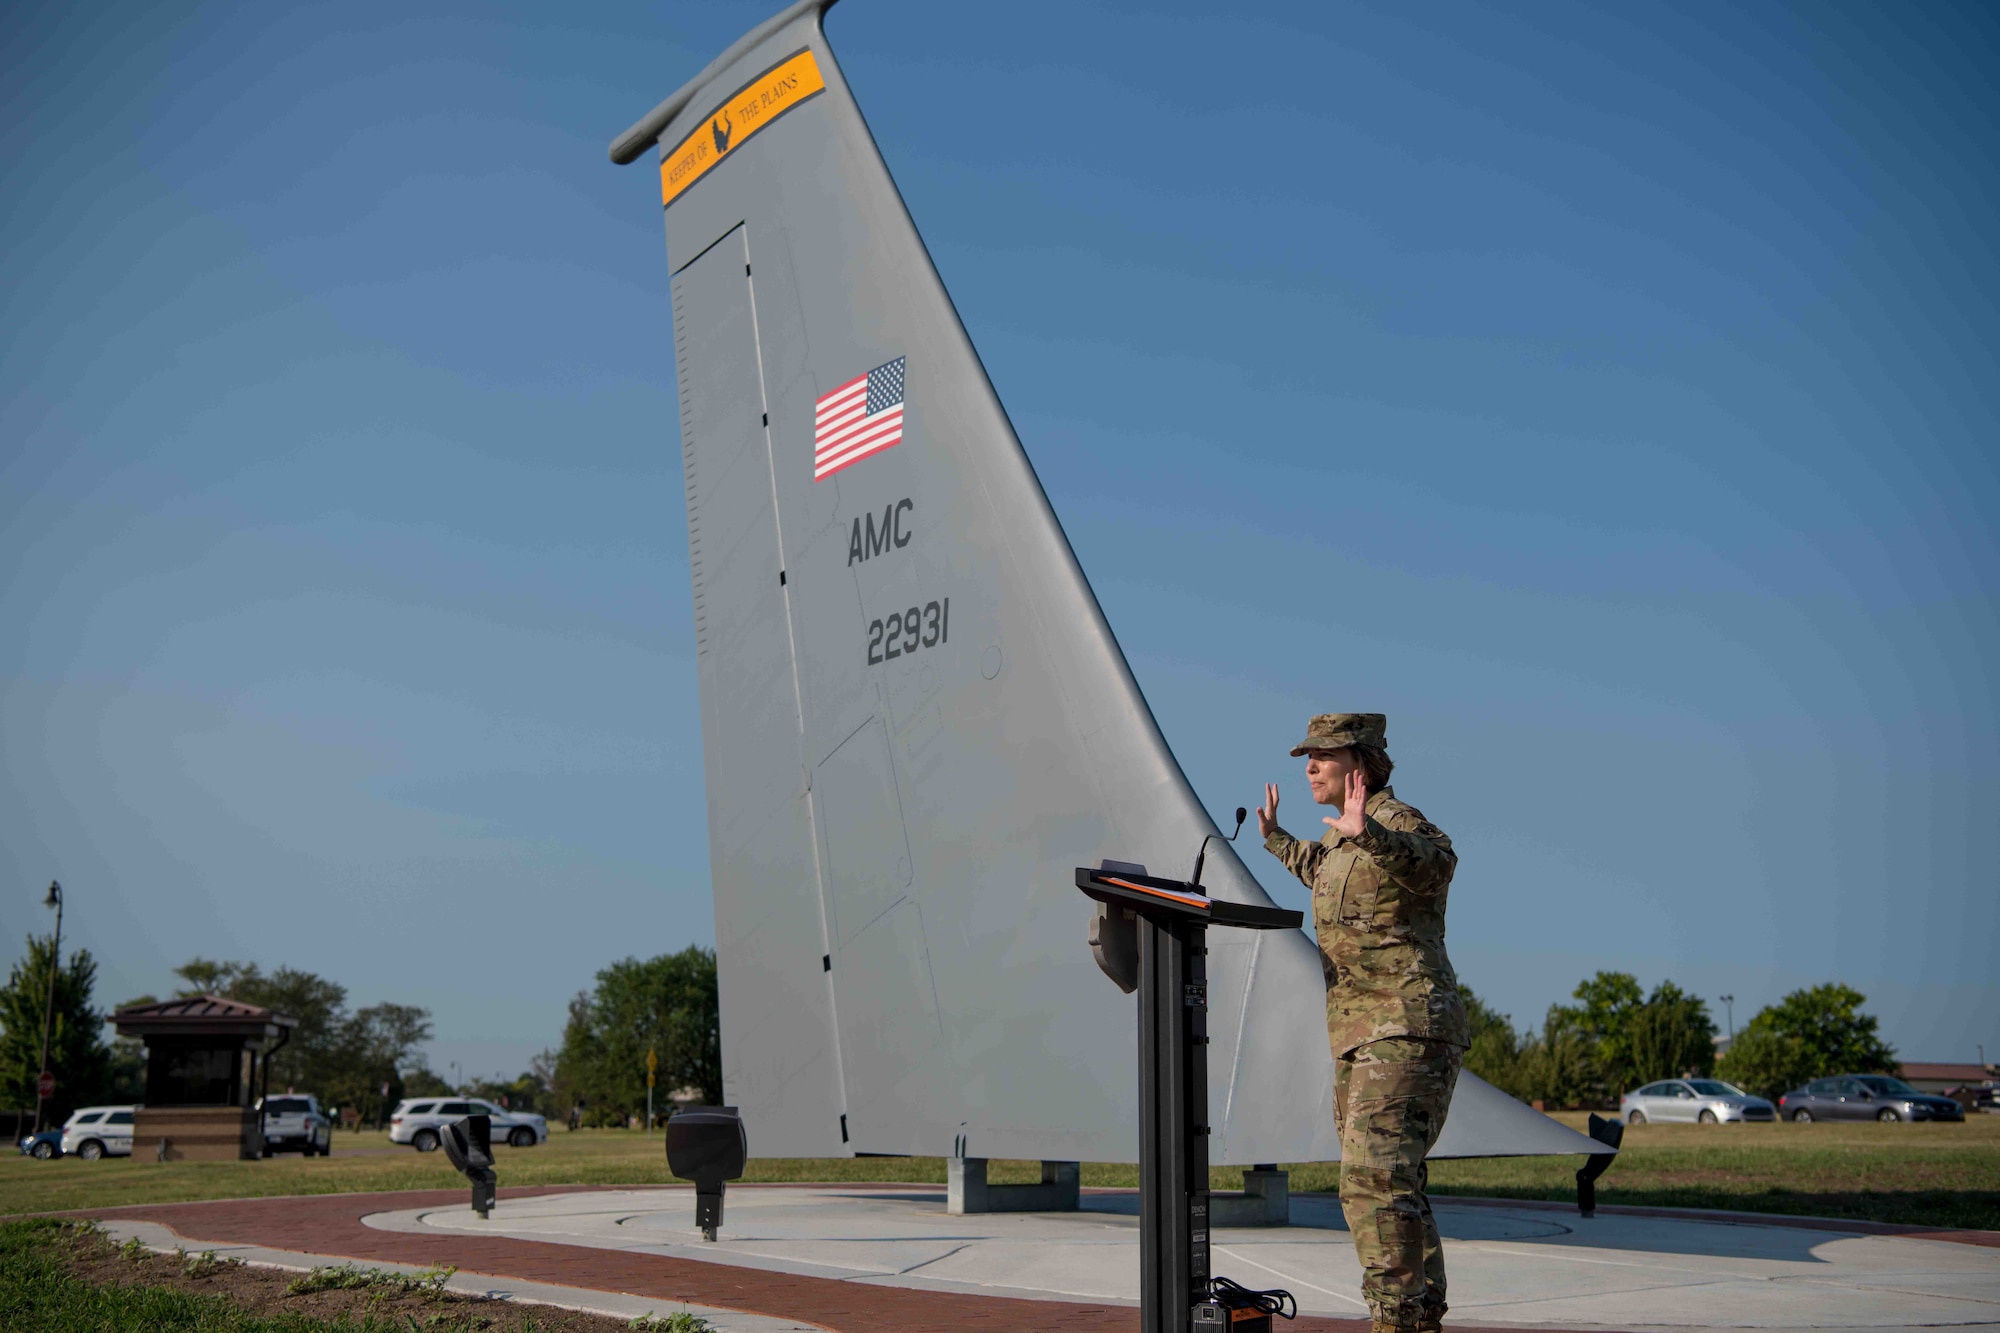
(1353, 811)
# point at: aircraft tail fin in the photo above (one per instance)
(915, 719)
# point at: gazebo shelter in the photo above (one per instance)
(208, 1060)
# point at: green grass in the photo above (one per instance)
(38, 1292)
(1937, 1175)
(680, 1321)
(353, 1277)
(65, 1276)
(1925, 1174)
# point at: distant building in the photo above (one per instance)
(208, 1065)
(1931, 1077)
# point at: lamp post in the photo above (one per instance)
(1729, 1007)
(652, 1071)
(55, 900)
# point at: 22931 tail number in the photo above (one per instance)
(906, 631)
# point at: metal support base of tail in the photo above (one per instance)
(1266, 1201)
(968, 1192)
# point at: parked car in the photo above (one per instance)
(1866, 1097)
(1706, 1101)
(1974, 1097)
(43, 1145)
(294, 1123)
(92, 1132)
(415, 1121)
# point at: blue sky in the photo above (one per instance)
(1610, 398)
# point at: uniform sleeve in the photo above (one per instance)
(1301, 858)
(1418, 856)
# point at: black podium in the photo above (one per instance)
(1173, 918)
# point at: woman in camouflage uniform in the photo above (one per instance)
(1393, 1013)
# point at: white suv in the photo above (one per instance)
(416, 1120)
(99, 1131)
(294, 1122)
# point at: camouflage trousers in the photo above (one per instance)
(1389, 1101)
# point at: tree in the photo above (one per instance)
(1765, 1062)
(1559, 1065)
(1610, 1000)
(1670, 1036)
(578, 1058)
(77, 1055)
(1638, 1038)
(369, 1049)
(342, 1058)
(1809, 1034)
(1616, 1037)
(205, 976)
(128, 1061)
(1495, 1053)
(421, 1082)
(1829, 1021)
(666, 1004)
(527, 1092)
(317, 1006)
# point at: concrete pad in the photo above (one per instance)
(1509, 1265)
(163, 1240)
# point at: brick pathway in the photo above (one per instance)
(331, 1224)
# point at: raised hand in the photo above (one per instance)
(1353, 814)
(1267, 813)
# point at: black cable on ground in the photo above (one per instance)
(1236, 1296)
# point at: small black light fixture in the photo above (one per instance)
(1610, 1133)
(469, 1145)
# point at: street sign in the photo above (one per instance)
(45, 1086)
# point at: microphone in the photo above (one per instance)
(1202, 855)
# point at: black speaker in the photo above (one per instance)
(706, 1144)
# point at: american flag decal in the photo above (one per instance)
(863, 416)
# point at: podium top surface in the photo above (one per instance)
(1175, 898)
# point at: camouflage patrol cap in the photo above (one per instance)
(1337, 731)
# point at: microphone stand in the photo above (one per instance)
(1202, 855)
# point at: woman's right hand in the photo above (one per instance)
(1267, 813)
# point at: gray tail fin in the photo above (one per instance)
(915, 720)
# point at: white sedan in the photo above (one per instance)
(1704, 1101)
(416, 1121)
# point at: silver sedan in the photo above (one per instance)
(1705, 1101)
